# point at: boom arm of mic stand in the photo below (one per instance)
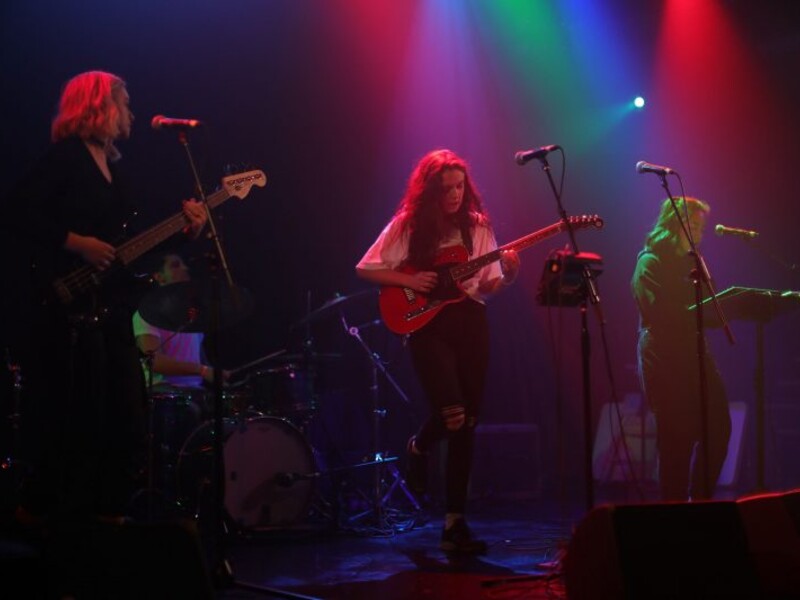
(591, 286)
(223, 262)
(354, 332)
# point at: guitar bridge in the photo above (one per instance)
(412, 314)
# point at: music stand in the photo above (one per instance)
(759, 306)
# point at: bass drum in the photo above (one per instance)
(269, 471)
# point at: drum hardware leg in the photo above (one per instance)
(381, 518)
(399, 482)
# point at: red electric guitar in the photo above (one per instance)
(404, 310)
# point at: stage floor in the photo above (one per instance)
(382, 555)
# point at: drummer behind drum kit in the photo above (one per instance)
(271, 469)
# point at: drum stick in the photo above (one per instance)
(257, 361)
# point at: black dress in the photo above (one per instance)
(83, 399)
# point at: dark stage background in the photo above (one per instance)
(336, 100)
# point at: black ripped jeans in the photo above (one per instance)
(451, 356)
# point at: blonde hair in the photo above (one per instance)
(87, 109)
(667, 228)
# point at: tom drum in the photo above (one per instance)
(285, 391)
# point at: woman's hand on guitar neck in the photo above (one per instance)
(196, 217)
(509, 263)
(96, 252)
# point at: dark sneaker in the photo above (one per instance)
(458, 540)
(416, 474)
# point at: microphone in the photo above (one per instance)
(524, 156)
(160, 121)
(742, 233)
(646, 167)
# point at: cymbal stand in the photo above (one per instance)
(380, 498)
(222, 571)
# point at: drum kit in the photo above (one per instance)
(271, 470)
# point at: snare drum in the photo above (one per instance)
(269, 471)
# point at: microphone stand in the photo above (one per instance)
(590, 290)
(700, 276)
(222, 571)
(378, 413)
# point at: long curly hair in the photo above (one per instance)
(420, 212)
(87, 109)
(667, 228)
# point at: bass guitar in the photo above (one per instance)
(87, 278)
(404, 310)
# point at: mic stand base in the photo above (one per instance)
(381, 491)
(380, 519)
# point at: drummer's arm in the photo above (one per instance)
(226, 374)
(166, 365)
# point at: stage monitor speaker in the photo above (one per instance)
(772, 525)
(652, 551)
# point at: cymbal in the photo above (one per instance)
(337, 300)
(186, 306)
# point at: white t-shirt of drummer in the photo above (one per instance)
(391, 249)
(185, 347)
